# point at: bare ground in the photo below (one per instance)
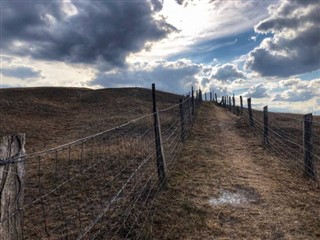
(222, 156)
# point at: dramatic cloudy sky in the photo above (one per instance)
(265, 49)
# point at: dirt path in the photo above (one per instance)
(226, 186)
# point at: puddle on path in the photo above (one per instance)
(239, 197)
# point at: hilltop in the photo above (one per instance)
(52, 116)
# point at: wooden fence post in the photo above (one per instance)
(12, 174)
(216, 97)
(250, 112)
(190, 109)
(161, 163)
(205, 96)
(308, 146)
(210, 96)
(241, 106)
(197, 98)
(182, 120)
(192, 100)
(229, 103)
(233, 105)
(265, 125)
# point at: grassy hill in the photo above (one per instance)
(51, 116)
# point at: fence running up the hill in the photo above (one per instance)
(98, 187)
(295, 138)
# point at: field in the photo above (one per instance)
(224, 183)
(54, 116)
(96, 185)
(227, 185)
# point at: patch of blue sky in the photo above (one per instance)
(240, 91)
(310, 75)
(224, 49)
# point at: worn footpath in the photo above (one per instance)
(225, 185)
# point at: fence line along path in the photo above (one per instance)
(100, 186)
(226, 185)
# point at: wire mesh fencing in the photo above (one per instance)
(285, 136)
(101, 186)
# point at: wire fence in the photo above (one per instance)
(101, 186)
(284, 135)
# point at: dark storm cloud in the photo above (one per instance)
(20, 72)
(295, 47)
(96, 31)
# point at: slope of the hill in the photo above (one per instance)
(226, 186)
(53, 116)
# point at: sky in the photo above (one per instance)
(265, 49)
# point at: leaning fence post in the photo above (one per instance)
(12, 174)
(182, 120)
(241, 106)
(308, 146)
(161, 163)
(265, 125)
(250, 112)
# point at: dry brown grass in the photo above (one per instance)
(223, 154)
(66, 190)
(54, 116)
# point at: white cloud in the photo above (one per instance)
(174, 76)
(295, 45)
(257, 91)
(298, 90)
(227, 72)
(47, 73)
(203, 20)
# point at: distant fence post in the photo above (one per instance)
(190, 109)
(182, 120)
(216, 97)
(233, 105)
(265, 125)
(205, 96)
(229, 103)
(197, 98)
(200, 95)
(192, 100)
(12, 186)
(210, 96)
(250, 112)
(161, 163)
(241, 106)
(308, 146)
